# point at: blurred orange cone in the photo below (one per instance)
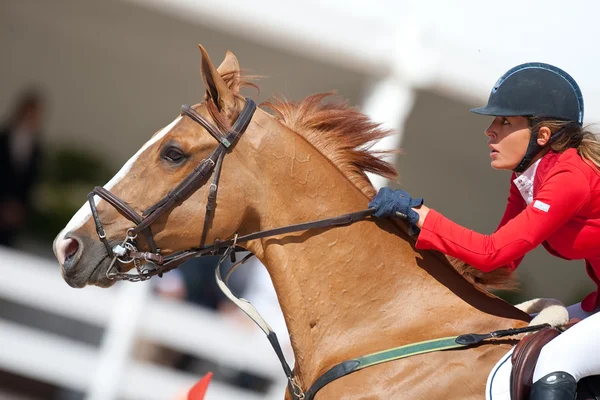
(199, 390)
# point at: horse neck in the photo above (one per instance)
(352, 290)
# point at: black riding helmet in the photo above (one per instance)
(535, 90)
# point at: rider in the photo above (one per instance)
(554, 200)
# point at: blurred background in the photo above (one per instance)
(84, 83)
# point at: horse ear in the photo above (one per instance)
(216, 87)
(230, 70)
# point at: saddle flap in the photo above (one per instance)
(524, 358)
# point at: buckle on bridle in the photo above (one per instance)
(120, 251)
(126, 247)
(126, 252)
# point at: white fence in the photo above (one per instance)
(127, 311)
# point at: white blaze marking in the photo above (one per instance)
(85, 212)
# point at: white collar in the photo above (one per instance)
(524, 182)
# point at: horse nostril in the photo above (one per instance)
(66, 250)
(71, 249)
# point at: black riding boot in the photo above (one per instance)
(554, 386)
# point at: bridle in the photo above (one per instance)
(126, 251)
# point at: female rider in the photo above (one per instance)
(554, 200)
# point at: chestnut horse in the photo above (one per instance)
(345, 291)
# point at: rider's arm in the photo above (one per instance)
(516, 204)
(562, 194)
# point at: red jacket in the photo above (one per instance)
(564, 216)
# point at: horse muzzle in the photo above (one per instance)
(82, 260)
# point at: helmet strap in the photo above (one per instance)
(533, 149)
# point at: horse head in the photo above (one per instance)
(173, 156)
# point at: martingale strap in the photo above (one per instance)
(255, 316)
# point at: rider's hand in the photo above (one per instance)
(396, 203)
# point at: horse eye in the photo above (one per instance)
(173, 154)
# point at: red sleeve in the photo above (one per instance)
(515, 205)
(551, 208)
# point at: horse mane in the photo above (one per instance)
(345, 136)
(342, 134)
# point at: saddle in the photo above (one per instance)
(524, 359)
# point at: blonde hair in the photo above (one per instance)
(572, 136)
